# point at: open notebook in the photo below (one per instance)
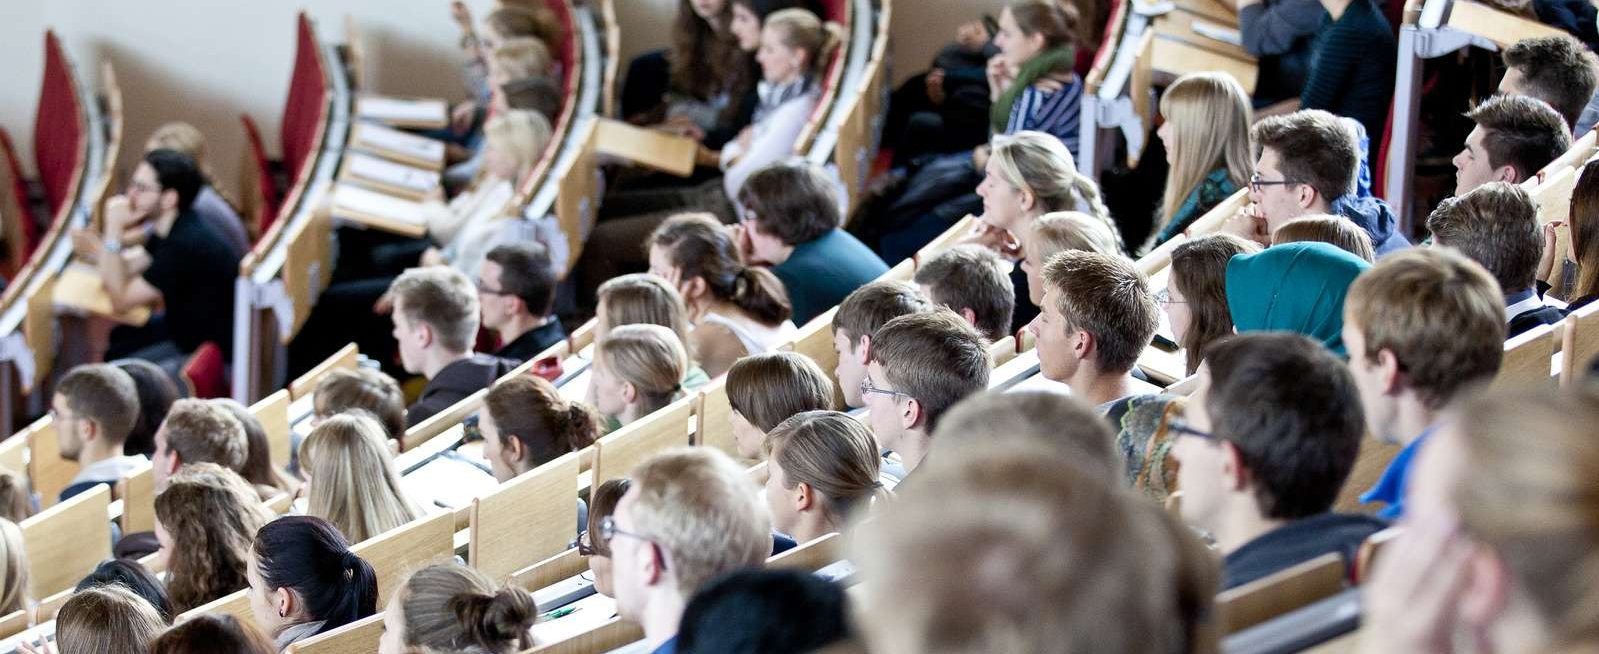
(378, 211)
(388, 176)
(397, 145)
(419, 113)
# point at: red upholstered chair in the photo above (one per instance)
(306, 107)
(58, 129)
(204, 373)
(20, 229)
(261, 193)
(837, 11)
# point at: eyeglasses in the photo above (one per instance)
(585, 546)
(867, 389)
(1163, 298)
(1180, 426)
(481, 288)
(1255, 182)
(141, 187)
(609, 530)
(58, 416)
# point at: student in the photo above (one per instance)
(1147, 586)
(921, 365)
(131, 575)
(516, 290)
(362, 388)
(1352, 68)
(156, 392)
(304, 580)
(972, 281)
(1057, 232)
(1496, 225)
(792, 225)
(737, 310)
(823, 474)
(589, 543)
(1419, 329)
(435, 323)
(855, 325)
(16, 499)
(450, 607)
(1558, 70)
(499, 26)
(943, 109)
(465, 229)
(212, 632)
(1297, 287)
(204, 520)
(198, 431)
(747, 16)
(521, 78)
(637, 370)
(1266, 444)
(1195, 299)
(1031, 82)
(1498, 524)
(1206, 132)
(191, 268)
(642, 299)
(1581, 264)
(1066, 424)
(1515, 137)
(1305, 164)
(695, 86)
(257, 468)
(209, 205)
(526, 423)
(353, 483)
(765, 612)
(1341, 233)
(93, 409)
(14, 577)
(1281, 34)
(689, 516)
(104, 620)
(766, 389)
(1098, 316)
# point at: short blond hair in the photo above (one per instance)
(199, 431)
(442, 298)
(180, 137)
(354, 483)
(520, 134)
(701, 507)
(1060, 231)
(650, 357)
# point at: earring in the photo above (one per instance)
(280, 612)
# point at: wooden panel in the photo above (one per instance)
(67, 541)
(1141, 87)
(14, 454)
(577, 197)
(526, 520)
(649, 148)
(48, 473)
(1180, 25)
(812, 555)
(713, 419)
(618, 452)
(1001, 351)
(273, 413)
(611, 635)
(1176, 57)
(1500, 27)
(815, 340)
(442, 421)
(137, 492)
(1370, 464)
(1156, 260)
(39, 332)
(236, 604)
(359, 637)
(1527, 359)
(347, 358)
(952, 236)
(308, 264)
(396, 553)
(1579, 345)
(1267, 598)
(901, 272)
(550, 571)
(78, 290)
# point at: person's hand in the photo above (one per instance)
(1248, 224)
(462, 117)
(706, 157)
(1049, 86)
(999, 76)
(462, 15)
(996, 239)
(682, 126)
(40, 646)
(433, 257)
(1412, 601)
(1551, 249)
(118, 215)
(935, 86)
(971, 35)
(385, 304)
(87, 245)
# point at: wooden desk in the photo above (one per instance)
(79, 291)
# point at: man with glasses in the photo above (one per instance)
(516, 290)
(1264, 446)
(93, 411)
(689, 516)
(1306, 164)
(921, 365)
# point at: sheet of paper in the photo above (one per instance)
(1218, 32)
(402, 111)
(387, 174)
(385, 140)
(402, 216)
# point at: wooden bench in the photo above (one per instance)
(359, 637)
(525, 520)
(1527, 362)
(620, 451)
(396, 553)
(1279, 593)
(66, 542)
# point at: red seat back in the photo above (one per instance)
(266, 209)
(19, 215)
(305, 110)
(58, 130)
(837, 11)
(205, 373)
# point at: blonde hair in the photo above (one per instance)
(832, 453)
(520, 57)
(1037, 163)
(803, 30)
(16, 499)
(699, 506)
(14, 583)
(1334, 230)
(1059, 231)
(650, 357)
(353, 481)
(448, 607)
(180, 137)
(107, 619)
(519, 133)
(643, 299)
(212, 514)
(1210, 116)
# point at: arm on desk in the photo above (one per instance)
(1273, 30)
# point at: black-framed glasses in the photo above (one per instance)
(1163, 298)
(1255, 182)
(1180, 426)
(585, 546)
(489, 291)
(867, 389)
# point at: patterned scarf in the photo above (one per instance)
(1042, 64)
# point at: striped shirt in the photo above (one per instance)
(1052, 113)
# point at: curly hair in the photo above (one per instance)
(212, 515)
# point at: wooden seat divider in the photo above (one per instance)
(273, 414)
(48, 472)
(1528, 357)
(137, 492)
(611, 635)
(712, 419)
(347, 358)
(549, 571)
(1279, 593)
(811, 555)
(67, 541)
(395, 553)
(1211, 222)
(359, 637)
(815, 340)
(1001, 351)
(618, 452)
(14, 454)
(236, 604)
(442, 421)
(526, 520)
(1579, 344)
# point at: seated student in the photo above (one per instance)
(131, 575)
(1148, 585)
(105, 620)
(361, 388)
(637, 370)
(93, 409)
(765, 612)
(698, 86)
(304, 580)
(1419, 328)
(257, 468)
(1032, 83)
(204, 520)
(1098, 315)
(1496, 225)
(736, 310)
(156, 392)
(16, 499)
(823, 474)
(525, 63)
(526, 423)
(1206, 133)
(1281, 34)
(1297, 287)
(1352, 69)
(198, 431)
(1305, 164)
(1515, 137)
(191, 270)
(642, 299)
(213, 632)
(589, 544)
(855, 325)
(792, 224)
(972, 281)
(1558, 70)
(1581, 264)
(435, 323)
(1327, 229)
(921, 365)
(1195, 299)
(478, 43)
(689, 516)
(1068, 425)
(1266, 445)
(14, 561)
(465, 229)
(209, 205)
(942, 109)
(1057, 232)
(448, 607)
(516, 290)
(1498, 516)
(767, 389)
(352, 480)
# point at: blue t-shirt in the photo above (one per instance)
(1391, 487)
(668, 647)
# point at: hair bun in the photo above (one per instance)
(492, 621)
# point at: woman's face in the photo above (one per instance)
(1165, 134)
(751, 440)
(709, 10)
(746, 27)
(600, 564)
(392, 641)
(499, 163)
(493, 450)
(163, 556)
(779, 63)
(1033, 265)
(606, 389)
(1004, 206)
(261, 605)
(1177, 312)
(1016, 46)
(781, 500)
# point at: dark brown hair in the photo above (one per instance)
(1556, 69)
(1107, 297)
(526, 273)
(602, 503)
(1059, 22)
(1584, 222)
(705, 60)
(1495, 224)
(529, 409)
(366, 389)
(210, 633)
(1522, 132)
(793, 201)
(520, 20)
(768, 388)
(971, 277)
(870, 307)
(106, 620)
(699, 246)
(156, 392)
(936, 357)
(1199, 273)
(1313, 147)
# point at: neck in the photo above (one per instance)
(1242, 524)
(436, 360)
(1411, 419)
(96, 451)
(520, 324)
(812, 524)
(1097, 388)
(629, 414)
(781, 254)
(790, 79)
(1335, 8)
(165, 221)
(662, 616)
(912, 448)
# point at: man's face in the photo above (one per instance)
(66, 422)
(629, 575)
(1513, 82)
(1057, 341)
(1472, 168)
(851, 368)
(887, 408)
(1370, 382)
(162, 457)
(1200, 472)
(1278, 202)
(144, 193)
(491, 296)
(407, 336)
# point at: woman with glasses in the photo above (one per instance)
(1206, 132)
(1195, 298)
(590, 544)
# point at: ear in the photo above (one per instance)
(1306, 195)
(804, 497)
(1085, 345)
(284, 601)
(169, 200)
(629, 392)
(1388, 371)
(1028, 200)
(911, 416)
(173, 462)
(1487, 588)
(1233, 472)
(693, 288)
(88, 430)
(1507, 174)
(863, 350)
(969, 315)
(423, 333)
(511, 450)
(648, 560)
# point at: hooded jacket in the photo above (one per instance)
(1374, 216)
